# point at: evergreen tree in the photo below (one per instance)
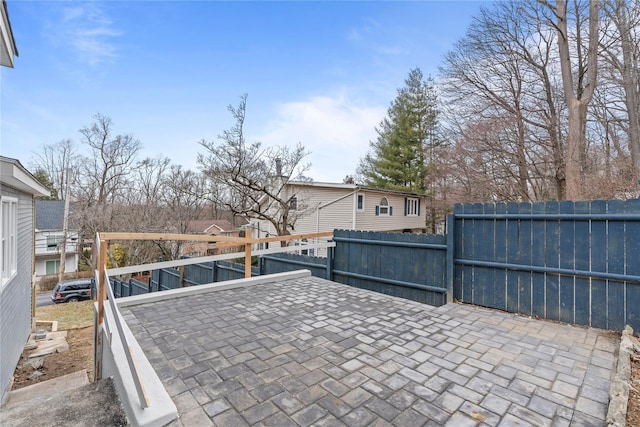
(43, 178)
(399, 157)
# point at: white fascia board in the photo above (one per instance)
(14, 175)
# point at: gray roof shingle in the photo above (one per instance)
(50, 215)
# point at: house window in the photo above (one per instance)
(52, 267)
(9, 244)
(383, 209)
(411, 206)
(360, 203)
(293, 203)
(52, 242)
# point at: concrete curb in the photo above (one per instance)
(619, 391)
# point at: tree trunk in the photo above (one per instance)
(523, 167)
(576, 149)
(630, 81)
(577, 99)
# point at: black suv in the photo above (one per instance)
(73, 290)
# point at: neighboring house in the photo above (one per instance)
(7, 44)
(18, 189)
(326, 206)
(217, 227)
(49, 238)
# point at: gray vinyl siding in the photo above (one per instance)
(329, 217)
(15, 296)
(340, 215)
(368, 220)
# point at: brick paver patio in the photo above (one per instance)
(312, 352)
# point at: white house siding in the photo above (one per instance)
(15, 296)
(328, 209)
(71, 261)
(368, 220)
(43, 254)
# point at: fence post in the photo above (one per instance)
(449, 274)
(215, 272)
(247, 260)
(261, 266)
(330, 264)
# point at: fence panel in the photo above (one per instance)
(137, 287)
(409, 266)
(198, 274)
(282, 262)
(116, 287)
(227, 270)
(632, 256)
(583, 250)
(573, 262)
(168, 278)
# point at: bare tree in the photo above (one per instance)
(59, 161)
(503, 71)
(579, 78)
(104, 178)
(621, 52)
(112, 156)
(184, 198)
(250, 180)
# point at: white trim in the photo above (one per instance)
(8, 239)
(363, 208)
(412, 206)
(386, 206)
(13, 174)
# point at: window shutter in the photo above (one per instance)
(418, 207)
(405, 206)
(390, 210)
(377, 210)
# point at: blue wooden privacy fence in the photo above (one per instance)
(574, 262)
(405, 265)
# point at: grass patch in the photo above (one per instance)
(72, 315)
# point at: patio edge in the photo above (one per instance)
(619, 391)
(210, 287)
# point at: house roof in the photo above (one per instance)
(209, 226)
(50, 215)
(352, 187)
(13, 174)
(348, 187)
(8, 47)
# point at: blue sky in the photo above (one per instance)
(319, 73)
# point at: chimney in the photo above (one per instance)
(278, 167)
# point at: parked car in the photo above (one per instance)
(73, 290)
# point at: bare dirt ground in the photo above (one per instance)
(78, 357)
(77, 320)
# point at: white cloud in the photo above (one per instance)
(89, 31)
(335, 129)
